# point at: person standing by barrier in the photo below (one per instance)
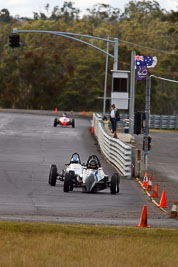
(114, 117)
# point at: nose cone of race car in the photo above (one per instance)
(90, 183)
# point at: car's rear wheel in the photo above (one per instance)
(73, 123)
(67, 182)
(55, 122)
(117, 182)
(53, 175)
(113, 187)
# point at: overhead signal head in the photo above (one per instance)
(14, 40)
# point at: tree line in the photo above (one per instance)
(49, 71)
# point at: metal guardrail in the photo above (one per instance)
(169, 122)
(164, 122)
(116, 152)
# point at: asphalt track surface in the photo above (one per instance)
(29, 144)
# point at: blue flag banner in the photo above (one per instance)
(141, 72)
(150, 62)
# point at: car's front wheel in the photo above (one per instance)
(55, 122)
(49, 180)
(67, 182)
(73, 123)
(53, 175)
(72, 178)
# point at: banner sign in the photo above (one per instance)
(141, 72)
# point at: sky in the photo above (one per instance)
(25, 8)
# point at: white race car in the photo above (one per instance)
(89, 176)
(71, 175)
(64, 121)
(94, 178)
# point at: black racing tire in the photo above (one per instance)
(113, 187)
(71, 187)
(117, 182)
(53, 175)
(49, 180)
(67, 182)
(72, 176)
(73, 123)
(55, 122)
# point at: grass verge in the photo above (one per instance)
(42, 244)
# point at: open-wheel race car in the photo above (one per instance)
(71, 175)
(94, 178)
(64, 121)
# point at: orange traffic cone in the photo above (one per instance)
(55, 110)
(155, 192)
(162, 203)
(174, 212)
(149, 188)
(145, 180)
(143, 218)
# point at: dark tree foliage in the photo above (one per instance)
(5, 15)
(48, 71)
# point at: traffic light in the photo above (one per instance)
(14, 40)
(149, 142)
(11, 41)
(146, 143)
(137, 123)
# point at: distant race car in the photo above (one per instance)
(64, 121)
(94, 178)
(71, 175)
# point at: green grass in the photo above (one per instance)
(42, 244)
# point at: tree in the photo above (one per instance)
(140, 9)
(101, 12)
(5, 15)
(48, 70)
(67, 12)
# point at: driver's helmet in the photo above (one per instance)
(64, 114)
(75, 159)
(93, 164)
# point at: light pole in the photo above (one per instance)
(105, 82)
(147, 113)
(132, 93)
